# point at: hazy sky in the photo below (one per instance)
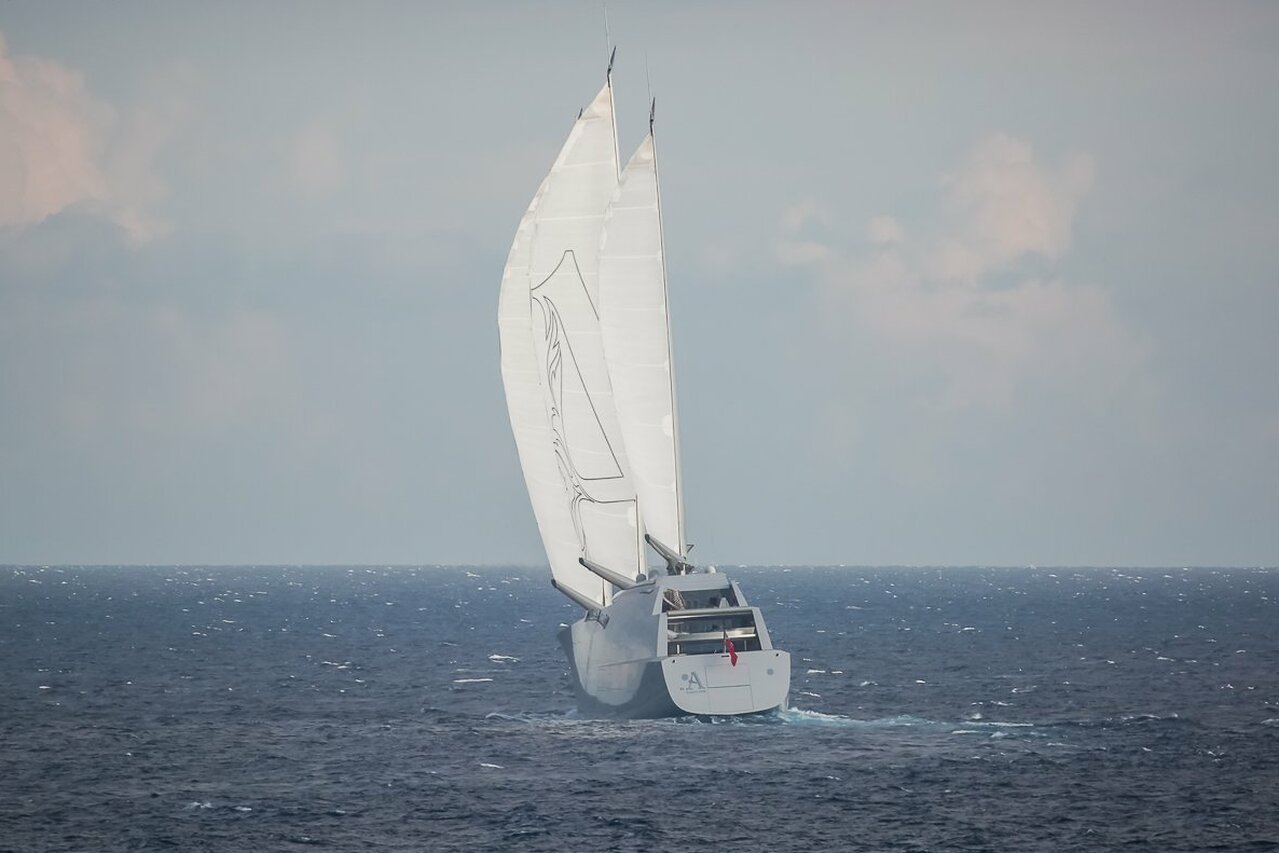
(951, 283)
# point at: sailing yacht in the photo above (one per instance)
(586, 361)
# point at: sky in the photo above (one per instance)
(980, 283)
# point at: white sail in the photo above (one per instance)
(635, 324)
(529, 423)
(590, 501)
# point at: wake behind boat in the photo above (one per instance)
(587, 360)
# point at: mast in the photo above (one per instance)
(680, 545)
(636, 334)
(608, 80)
(617, 160)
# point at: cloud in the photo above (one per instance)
(1003, 205)
(973, 312)
(60, 147)
(50, 140)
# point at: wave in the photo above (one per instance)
(533, 716)
(1126, 721)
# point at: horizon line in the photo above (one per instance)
(719, 567)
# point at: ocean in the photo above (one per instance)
(429, 708)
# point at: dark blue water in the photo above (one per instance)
(430, 709)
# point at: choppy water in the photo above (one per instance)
(430, 709)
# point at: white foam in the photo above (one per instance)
(800, 715)
(470, 680)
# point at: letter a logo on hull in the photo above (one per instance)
(693, 683)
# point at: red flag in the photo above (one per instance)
(728, 647)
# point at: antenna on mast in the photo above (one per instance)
(608, 42)
(652, 102)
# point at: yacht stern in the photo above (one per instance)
(712, 685)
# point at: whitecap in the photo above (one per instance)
(802, 716)
(492, 766)
(503, 659)
(470, 680)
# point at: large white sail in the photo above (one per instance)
(529, 423)
(635, 324)
(596, 500)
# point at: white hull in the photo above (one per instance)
(641, 658)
